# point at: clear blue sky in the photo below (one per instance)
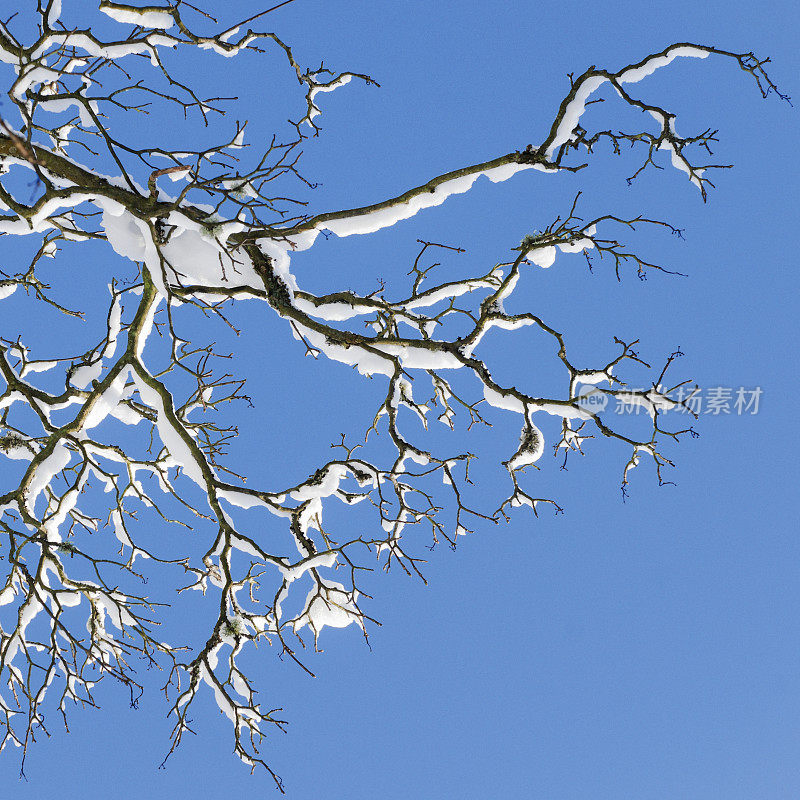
(645, 650)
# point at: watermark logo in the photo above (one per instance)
(590, 398)
(694, 400)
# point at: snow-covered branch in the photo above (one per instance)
(128, 429)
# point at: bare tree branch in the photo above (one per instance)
(75, 609)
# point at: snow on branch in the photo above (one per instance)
(105, 444)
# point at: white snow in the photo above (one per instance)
(7, 288)
(506, 402)
(53, 13)
(634, 75)
(36, 366)
(573, 111)
(130, 15)
(530, 449)
(170, 436)
(328, 604)
(238, 141)
(124, 231)
(291, 574)
(179, 174)
(44, 472)
(320, 88)
(374, 219)
(542, 256)
(196, 257)
(563, 410)
(86, 373)
(64, 104)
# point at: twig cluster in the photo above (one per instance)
(74, 609)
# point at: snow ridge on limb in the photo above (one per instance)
(205, 228)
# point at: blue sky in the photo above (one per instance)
(645, 649)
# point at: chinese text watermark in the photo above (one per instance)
(713, 400)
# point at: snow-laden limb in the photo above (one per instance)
(135, 430)
(568, 134)
(143, 16)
